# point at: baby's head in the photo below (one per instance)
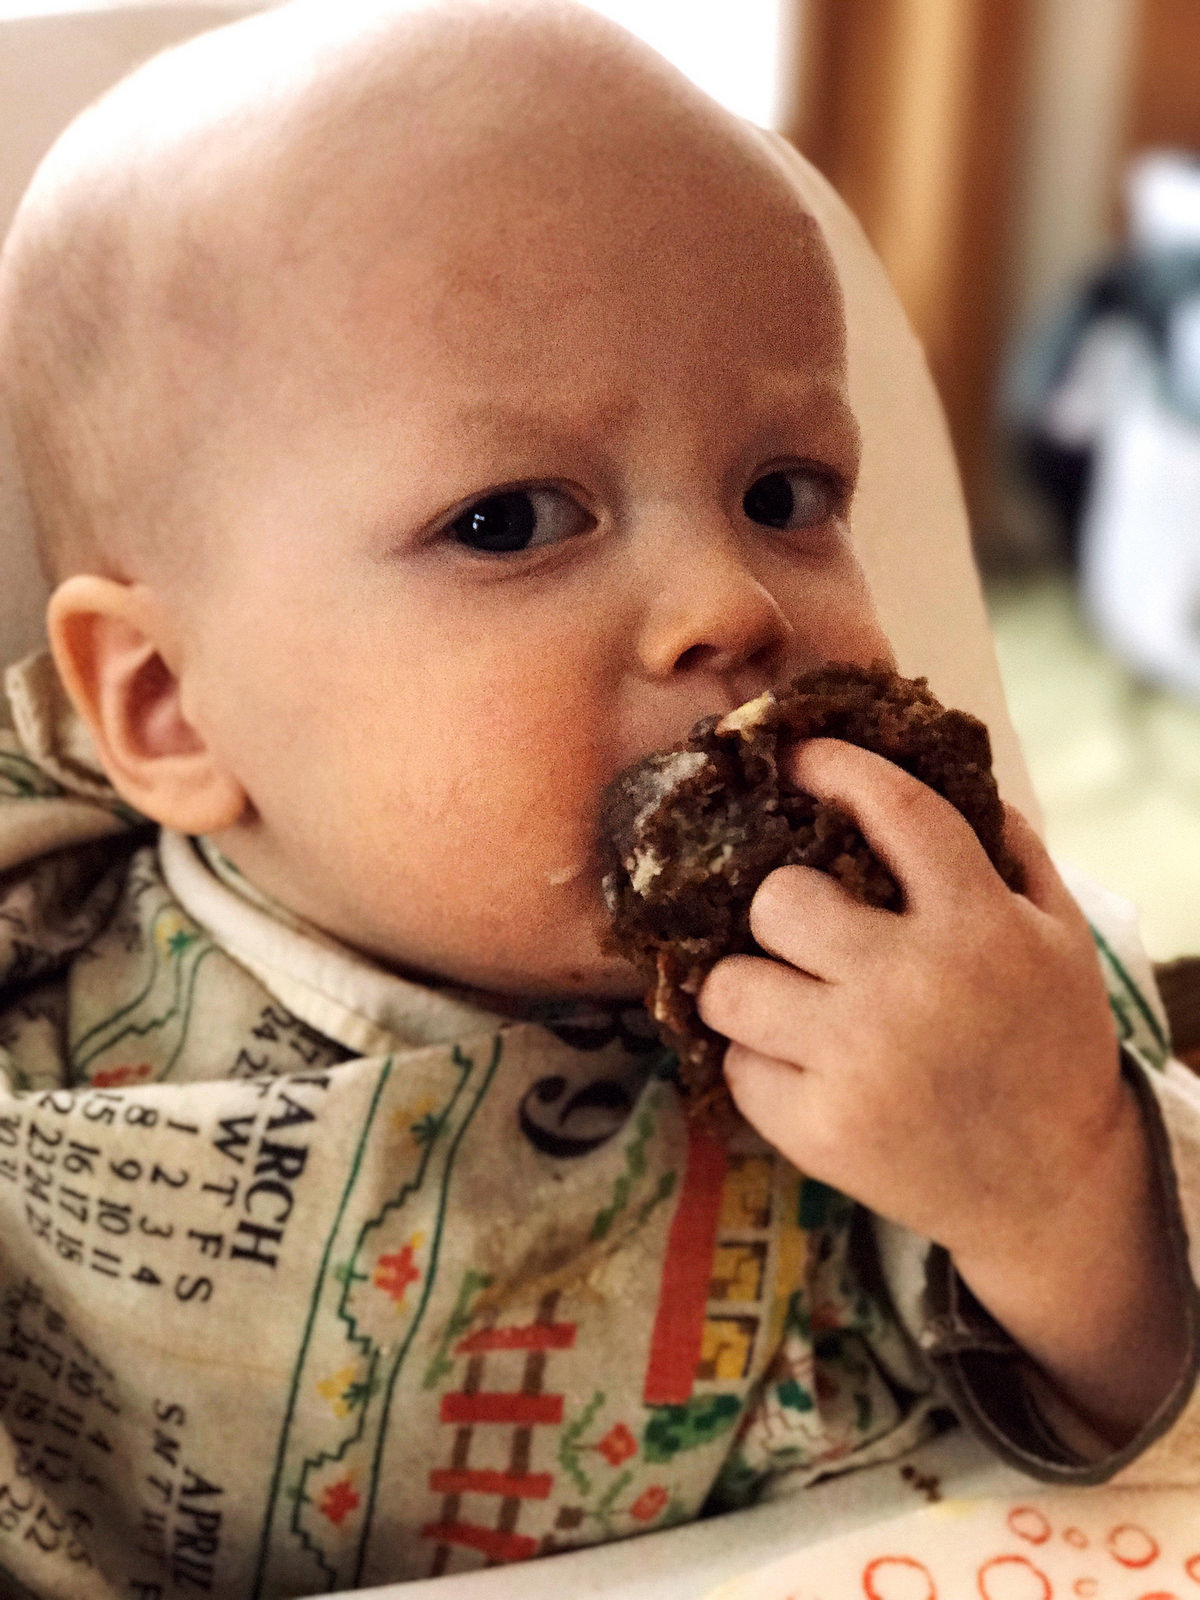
(427, 410)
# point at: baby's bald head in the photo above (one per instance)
(428, 409)
(196, 246)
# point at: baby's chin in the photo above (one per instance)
(602, 978)
(620, 984)
(570, 958)
(570, 963)
(504, 991)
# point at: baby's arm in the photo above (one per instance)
(956, 1069)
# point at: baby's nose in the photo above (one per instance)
(715, 619)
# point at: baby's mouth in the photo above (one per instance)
(740, 718)
(726, 712)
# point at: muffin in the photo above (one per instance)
(688, 834)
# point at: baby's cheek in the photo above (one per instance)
(507, 801)
(487, 794)
(543, 765)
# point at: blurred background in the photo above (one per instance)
(1029, 171)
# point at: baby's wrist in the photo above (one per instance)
(1090, 1293)
(1091, 1209)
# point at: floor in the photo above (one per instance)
(1115, 762)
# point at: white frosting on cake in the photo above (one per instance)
(744, 718)
(670, 771)
(647, 864)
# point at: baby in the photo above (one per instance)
(427, 411)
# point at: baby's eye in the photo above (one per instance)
(519, 519)
(798, 497)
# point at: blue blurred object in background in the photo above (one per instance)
(1106, 404)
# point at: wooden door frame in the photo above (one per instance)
(914, 110)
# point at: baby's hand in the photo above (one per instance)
(954, 1068)
(912, 1061)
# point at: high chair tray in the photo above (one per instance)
(948, 1523)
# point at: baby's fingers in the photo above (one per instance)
(773, 1096)
(929, 847)
(761, 1004)
(809, 919)
(764, 1088)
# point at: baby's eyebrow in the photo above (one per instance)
(537, 424)
(816, 410)
(782, 402)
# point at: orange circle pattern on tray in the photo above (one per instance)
(877, 1584)
(1132, 1546)
(1027, 1522)
(1073, 1551)
(1013, 1578)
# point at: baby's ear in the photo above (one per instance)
(120, 661)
